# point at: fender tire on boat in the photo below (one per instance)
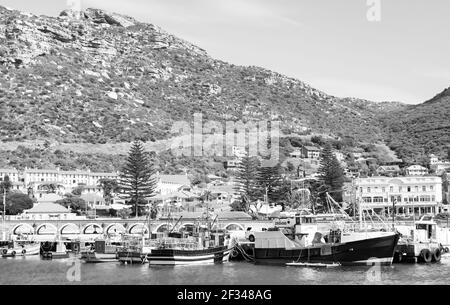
(446, 250)
(5, 251)
(426, 256)
(24, 251)
(437, 256)
(13, 253)
(251, 238)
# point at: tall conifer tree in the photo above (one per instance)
(246, 179)
(331, 174)
(137, 179)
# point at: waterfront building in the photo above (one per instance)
(412, 194)
(48, 211)
(416, 170)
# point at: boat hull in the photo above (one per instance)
(171, 257)
(371, 251)
(27, 251)
(131, 257)
(92, 257)
(55, 255)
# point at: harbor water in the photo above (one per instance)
(33, 270)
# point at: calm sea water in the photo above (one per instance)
(33, 270)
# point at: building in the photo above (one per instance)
(438, 166)
(232, 164)
(339, 156)
(390, 171)
(311, 152)
(166, 184)
(409, 194)
(12, 173)
(38, 180)
(48, 211)
(296, 154)
(416, 170)
(238, 152)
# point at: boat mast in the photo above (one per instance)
(4, 213)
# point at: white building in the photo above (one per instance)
(238, 152)
(167, 184)
(48, 211)
(66, 180)
(416, 170)
(418, 194)
(12, 173)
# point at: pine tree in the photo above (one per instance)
(246, 179)
(269, 182)
(331, 174)
(137, 180)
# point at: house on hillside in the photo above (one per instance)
(416, 170)
(310, 152)
(166, 184)
(296, 154)
(390, 171)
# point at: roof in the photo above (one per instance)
(312, 148)
(47, 207)
(174, 179)
(417, 167)
(389, 168)
(8, 170)
(234, 215)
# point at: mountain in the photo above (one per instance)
(416, 131)
(100, 77)
(95, 77)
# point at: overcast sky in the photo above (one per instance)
(328, 44)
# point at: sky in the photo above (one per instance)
(335, 46)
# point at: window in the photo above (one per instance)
(368, 190)
(409, 189)
(383, 190)
(391, 189)
(417, 189)
(424, 188)
(431, 187)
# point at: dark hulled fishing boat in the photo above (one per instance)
(300, 242)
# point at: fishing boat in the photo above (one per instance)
(104, 251)
(134, 250)
(59, 253)
(298, 240)
(202, 246)
(21, 248)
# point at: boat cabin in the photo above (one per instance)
(425, 231)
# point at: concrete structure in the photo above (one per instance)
(89, 229)
(410, 194)
(416, 170)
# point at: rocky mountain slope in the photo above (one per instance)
(95, 77)
(418, 130)
(98, 77)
